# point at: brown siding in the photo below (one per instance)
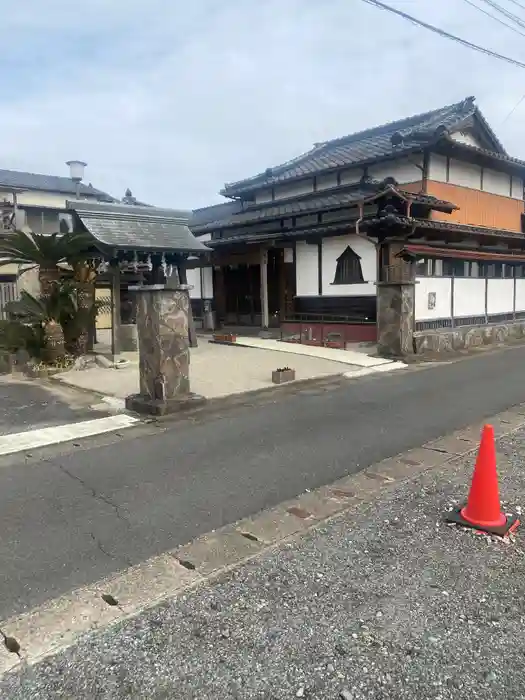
(478, 208)
(413, 187)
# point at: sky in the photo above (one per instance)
(173, 99)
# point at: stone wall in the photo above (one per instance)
(453, 340)
(395, 319)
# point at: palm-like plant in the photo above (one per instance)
(46, 252)
(46, 312)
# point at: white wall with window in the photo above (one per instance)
(349, 266)
(459, 292)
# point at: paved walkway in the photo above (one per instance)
(221, 370)
(385, 603)
(357, 358)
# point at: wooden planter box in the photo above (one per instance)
(224, 337)
(280, 377)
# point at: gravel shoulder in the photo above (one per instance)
(384, 602)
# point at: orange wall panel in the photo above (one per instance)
(478, 208)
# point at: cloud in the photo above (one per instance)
(174, 99)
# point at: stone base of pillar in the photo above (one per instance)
(144, 405)
(164, 354)
(395, 319)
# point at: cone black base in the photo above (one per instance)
(454, 516)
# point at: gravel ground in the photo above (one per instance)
(386, 603)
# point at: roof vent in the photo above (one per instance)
(76, 169)
(268, 172)
(396, 139)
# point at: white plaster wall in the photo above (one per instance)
(500, 296)
(41, 199)
(207, 282)
(520, 294)
(465, 174)
(295, 189)
(194, 278)
(332, 249)
(466, 137)
(469, 297)
(351, 176)
(263, 196)
(442, 287)
(437, 168)
(517, 188)
(306, 266)
(402, 170)
(496, 183)
(324, 182)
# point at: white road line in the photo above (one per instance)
(30, 440)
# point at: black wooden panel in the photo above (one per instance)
(359, 306)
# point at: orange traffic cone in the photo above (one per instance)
(483, 510)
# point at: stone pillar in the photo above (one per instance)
(164, 354)
(395, 318)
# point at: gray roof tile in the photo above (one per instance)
(132, 227)
(47, 183)
(337, 198)
(372, 144)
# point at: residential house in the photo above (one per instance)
(38, 202)
(313, 244)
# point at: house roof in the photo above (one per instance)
(365, 191)
(381, 142)
(14, 179)
(216, 212)
(132, 227)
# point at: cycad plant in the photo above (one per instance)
(46, 252)
(44, 312)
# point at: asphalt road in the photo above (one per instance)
(25, 406)
(87, 511)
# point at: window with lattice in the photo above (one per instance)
(348, 270)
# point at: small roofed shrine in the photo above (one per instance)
(152, 244)
(147, 244)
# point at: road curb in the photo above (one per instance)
(58, 624)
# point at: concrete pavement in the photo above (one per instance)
(218, 370)
(75, 513)
(382, 600)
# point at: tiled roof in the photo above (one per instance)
(48, 183)
(416, 250)
(215, 212)
(132, 227)
(402, 136)
(336, 198)
(440, 226)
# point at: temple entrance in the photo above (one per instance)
(238, 291)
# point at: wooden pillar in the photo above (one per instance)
(115, 311)
(219, 292)
(265, 313)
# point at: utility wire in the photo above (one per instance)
(509, 115)
(518, 4)
(443, 33)
(506, 13)
(496, 19)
